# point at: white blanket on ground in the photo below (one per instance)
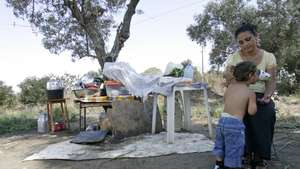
(140, 146)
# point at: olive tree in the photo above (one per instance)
(80, 26)
(278, 24)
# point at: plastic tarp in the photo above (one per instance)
(138, 84)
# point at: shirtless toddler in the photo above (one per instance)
(230, 132)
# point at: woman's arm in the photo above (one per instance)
(252, 107)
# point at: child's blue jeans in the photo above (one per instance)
(230, 141)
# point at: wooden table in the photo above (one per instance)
(86, 103)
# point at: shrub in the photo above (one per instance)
(286, 83)
(33, 90)
(7, 96)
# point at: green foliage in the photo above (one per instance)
(216, 109)
(286, 83)
(278, 27)
(7, 96)
(61, 29)
(33, 90)
(197, 77)
(23, 118)
(81, 27)
(11, 124)
(176, 72)
(58, 117)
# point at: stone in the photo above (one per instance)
(132, 117)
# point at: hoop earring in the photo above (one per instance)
(258, 40)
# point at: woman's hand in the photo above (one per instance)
(264, 100)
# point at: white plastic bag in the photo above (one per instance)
(137, 84)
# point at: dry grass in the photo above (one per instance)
(288, 112)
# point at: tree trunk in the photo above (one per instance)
(123, 31)
(97, 39)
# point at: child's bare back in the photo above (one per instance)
(238, 100)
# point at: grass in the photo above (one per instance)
(24, 118)
(14, 124)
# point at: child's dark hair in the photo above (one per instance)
(242, 70)
(244, 28)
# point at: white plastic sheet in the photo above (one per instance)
(133, 147)
(138, 84)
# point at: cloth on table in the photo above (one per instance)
(138, 84)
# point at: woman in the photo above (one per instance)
(259, 128)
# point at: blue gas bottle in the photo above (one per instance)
(188, 71)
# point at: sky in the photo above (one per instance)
(157, 37)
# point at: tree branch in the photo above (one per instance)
(89, 55)
(123, 31)
(72, 5)
(91, 29)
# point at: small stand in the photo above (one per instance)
(64, 111)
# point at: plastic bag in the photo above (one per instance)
(138, 84)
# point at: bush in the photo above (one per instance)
(7, 96)
(33, 90)
(286, 83)
(215, 81)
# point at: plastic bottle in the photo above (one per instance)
(264, 76)
(188, 71)
(42, 122)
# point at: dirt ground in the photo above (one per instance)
(13, 149)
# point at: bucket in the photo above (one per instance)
(55, 94)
